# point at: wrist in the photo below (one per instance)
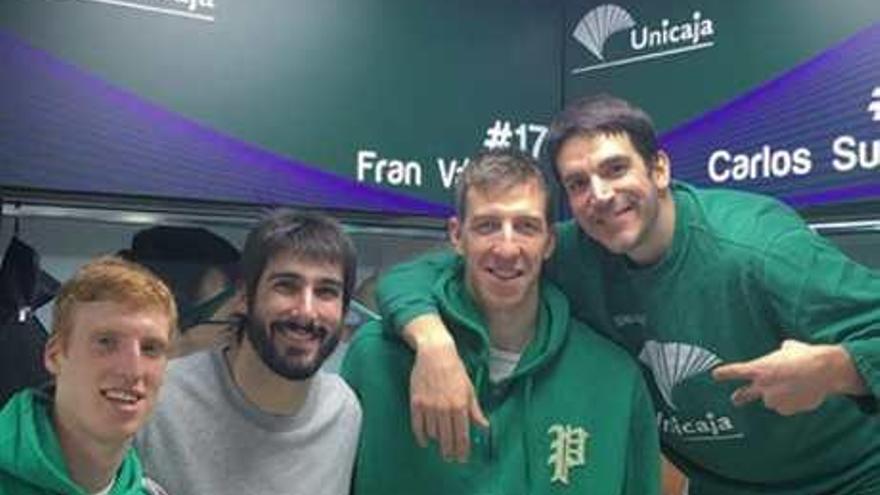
(842, 373)
(426, 333)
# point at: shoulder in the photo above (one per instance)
(21, 402)
(374, 358)
(183, 367)
(370, 340)
(735, 218)
(187, 378)
(337, 395)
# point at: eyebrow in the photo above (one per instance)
(296, 276)
(162, 342)
(613, 160)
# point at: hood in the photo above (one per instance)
(466, 321)
(31, 457)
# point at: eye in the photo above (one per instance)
(154, 349)
(486, 226)
(285, 286)
(106, 342)
(576, 185)
(529, 227)
(328, 293)
(616, 168)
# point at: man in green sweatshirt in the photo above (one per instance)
(569, 410)
(762, 339)
(111, 328)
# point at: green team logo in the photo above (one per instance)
(568, 450)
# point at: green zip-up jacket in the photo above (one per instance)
(574, 416)
(31, 462)
(743, 274)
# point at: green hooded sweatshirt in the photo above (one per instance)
(574, 416)
(31, 462)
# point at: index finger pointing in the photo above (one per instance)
(734, 371)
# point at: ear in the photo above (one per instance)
(52, 354)
(239, 300)
(551, 242)
(454, 226)
(662, 173)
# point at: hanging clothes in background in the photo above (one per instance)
(24, 287)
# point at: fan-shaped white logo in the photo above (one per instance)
(598, 24)
(674, 362)
(647, 40)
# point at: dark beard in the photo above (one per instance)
(291, 365)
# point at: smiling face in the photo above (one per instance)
(108, 368)
(615, 196)
(504, 239)
(295, 315)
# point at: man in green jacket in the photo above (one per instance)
(107, 353)
(762, 339)
(569, 410)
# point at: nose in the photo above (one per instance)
(130, 359)
(307, 303)
(601, 190)
(507, 245)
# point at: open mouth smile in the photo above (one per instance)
(505, 274)
(122, 396)
(297, 332)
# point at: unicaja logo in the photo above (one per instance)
(647, 41)
(599, 24)
(671, 363)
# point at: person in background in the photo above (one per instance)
(561, 420)
(256, 415)
(112, 327)
(201, 268)
(24, 288)
(762, 338)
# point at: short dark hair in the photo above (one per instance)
(603, 114)
(311, 236)
(499, 170)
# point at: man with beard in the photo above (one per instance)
(728, 298)
(257, 416)
(556, 425)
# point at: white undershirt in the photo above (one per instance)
(106, 489)
(501, 364)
